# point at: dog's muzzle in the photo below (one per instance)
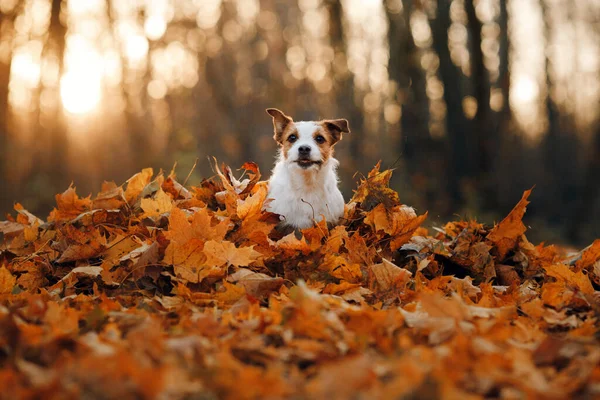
(307, 162)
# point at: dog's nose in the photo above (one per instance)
(304, 150)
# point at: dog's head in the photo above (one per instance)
(307, 144)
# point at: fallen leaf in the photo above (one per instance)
(506, 234)
(7, 281)
(160, 204)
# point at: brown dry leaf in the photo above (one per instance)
(11, 228)
(400, 222)
(293, 244)
(81, 252)
(136, 304)
(111, 197)
(388, 275)
(256, 284)
(160, 204)
(375, 190)
(204, 227)
(69, 206)
(589, 256)
(339, 267)
(7, 281)
(231, 294)
(253, 204)
(175, 189)
(32, 280)
(506, 234)
(224, 252)
(30, 219)
(578, 280)
(137, 183)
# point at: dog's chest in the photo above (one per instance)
(301, 201)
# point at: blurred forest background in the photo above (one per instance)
(472, 101)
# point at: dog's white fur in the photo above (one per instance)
(303, 195)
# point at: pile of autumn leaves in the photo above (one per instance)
(155, 290)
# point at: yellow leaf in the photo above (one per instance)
(225, 252)
(160, 204)
(231, 294)
(253, 204)
(136, 184)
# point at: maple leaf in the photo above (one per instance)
(225, 252)
(137, 183)
(231, 294)
(256, 284)
(400, 222)
(176, 189)
(160, 204)
(32, 280)
(253, 204)
(111, 197)
(506, 234)
(589, 256)
(567, 286)
(69, 206)
(375, 190)
(388, 275)
(340, 268)
(7, 281)
(25, 217)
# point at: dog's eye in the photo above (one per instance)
(292, 138)
(320, 139)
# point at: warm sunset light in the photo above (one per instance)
(170, 230)
(79, 93)
(525, 90)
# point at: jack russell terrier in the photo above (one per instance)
(304, 185)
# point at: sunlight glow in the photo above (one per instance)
(136, 47)
(155, 27)
(525, 90)
(79, 93)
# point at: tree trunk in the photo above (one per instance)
(459, 151)
(5, 67)
(406, 71)
(485, 134)
(504, 69)
(58, 135)
(344, 84)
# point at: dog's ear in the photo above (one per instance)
(336, 128)
(280, 121)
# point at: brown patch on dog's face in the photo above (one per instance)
(280, 123)
(325, 140)
(288, 137)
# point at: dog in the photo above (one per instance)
(303, 187)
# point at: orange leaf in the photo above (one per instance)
(589, 256)
(160, 204)
(137, 183)
(388, 275)
(7, 281)
(69, 206)
(577, 280)
(225, 252)
(375, 190)
(506, 234)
